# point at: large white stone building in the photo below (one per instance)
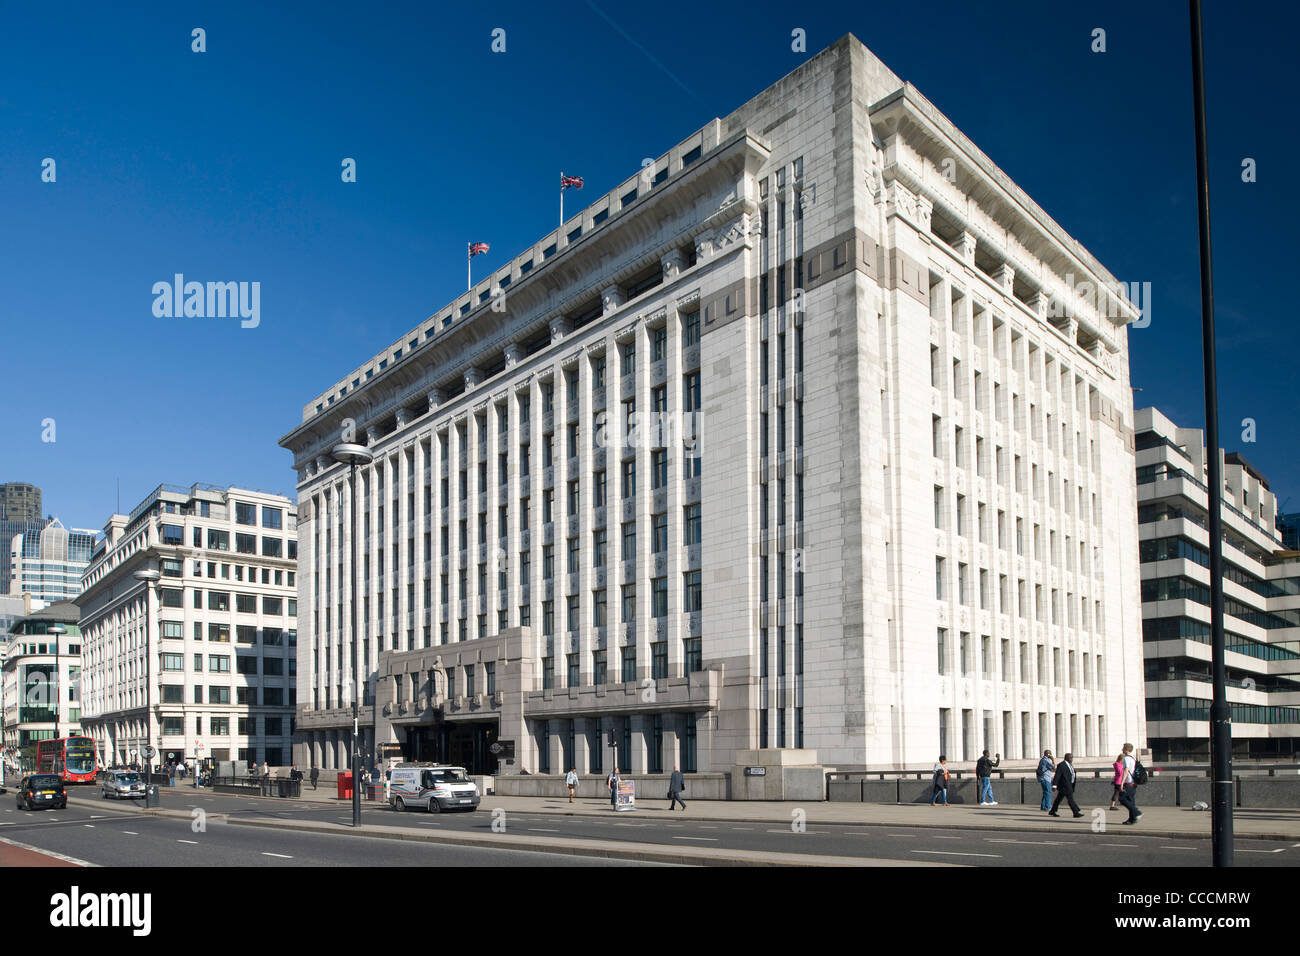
(1261, 591)
(202, 662)
(890, 511)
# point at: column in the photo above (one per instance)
(558, 729)
(582, 743)
(640, 741)
(674, 729)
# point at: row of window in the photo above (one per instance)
(692, 657)
(1047, 602)
(1184, 628)
(1165, 549)
(220, 633)
(1194, 708)
(220, 601)
(174, 534)
(1185, 589)
(1078, 677)
(1061, 732)
(220, 726)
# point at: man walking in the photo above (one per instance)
(984, 777)
(1046, 767)
(571, 781)
(675, 787)
(612, 782)
(1128, 789)
(315, 776)
(940, 781)
(1065, 786)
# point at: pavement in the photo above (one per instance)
(1265, 824)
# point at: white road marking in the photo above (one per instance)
(1116, 844)
(130, 833)
(541, 830)
(282, 856)
(1178, 848)
(1278, 850)
(192, 842)
(710, 828)
(89, 826)
(57, 856)
(993, 856)
(708, 839)
(742, 828)
(937, 837)
(1032, 842)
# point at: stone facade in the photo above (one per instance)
(873, 358)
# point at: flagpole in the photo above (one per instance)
(469, 257)
(561, 203)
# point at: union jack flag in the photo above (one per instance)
(477, 248)
(567, 181)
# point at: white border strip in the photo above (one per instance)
(50, 853)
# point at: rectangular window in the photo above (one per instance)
(272, 547)
(173, 662)
(246, 543)
(659, 597)
(218, 600)
(659, 659)
(219, 663)
(245, 513)
(171, 597)
(629, 664)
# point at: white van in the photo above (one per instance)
(433, 787)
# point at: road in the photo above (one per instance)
(103, 838)
(122, 839)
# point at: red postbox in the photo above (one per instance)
(345, 786)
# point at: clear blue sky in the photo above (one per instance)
(225, 166)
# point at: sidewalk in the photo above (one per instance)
(1156, 821)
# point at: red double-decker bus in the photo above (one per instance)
(72, 758)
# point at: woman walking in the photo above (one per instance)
(1118, 766)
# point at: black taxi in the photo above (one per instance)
(42, 790)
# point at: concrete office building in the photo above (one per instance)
(48, 563)
(711, 467)
(19, 502)
(41, 672)
(1261, 592)
(212, 674)
(20, 512)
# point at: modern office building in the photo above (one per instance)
(48, 563)
(19, 502)
(13, 608)
(41, 674)
(1261, 593)
(201, 661)
(816, 434)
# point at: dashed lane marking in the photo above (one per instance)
(992, 856)
(282, 856)
(191, 842)
(708, 839)
(130, 833)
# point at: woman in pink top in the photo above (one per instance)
(1119, 780)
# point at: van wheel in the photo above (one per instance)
(434, 805)
(400, 804)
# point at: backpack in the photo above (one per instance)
(1140, 775)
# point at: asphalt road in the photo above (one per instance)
(116, 839)
(1073, 845)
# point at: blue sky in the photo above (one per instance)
(225, 166)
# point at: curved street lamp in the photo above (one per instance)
(350, 454)
(149, 577)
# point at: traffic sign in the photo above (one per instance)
(149, 751)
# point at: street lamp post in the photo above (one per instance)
(58, 630)
(351, 454)
(149, 577)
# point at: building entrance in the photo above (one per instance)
(467, 745)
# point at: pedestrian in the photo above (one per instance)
(1119, 780)
(612, 782)
(171, 774)
(984, 777)
(676, 784)
(1046, 768)
(571, 781)
(1128, 785)
(315, 776)
(940, 781)
(1065, 786)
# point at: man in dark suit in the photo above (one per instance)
(1064, 783)
(675, 787)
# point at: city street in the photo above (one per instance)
(87, 836)
(255, 831)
